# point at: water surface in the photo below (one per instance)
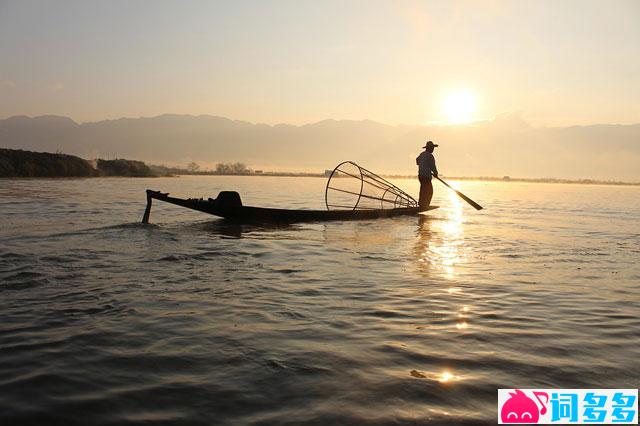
(410, 320)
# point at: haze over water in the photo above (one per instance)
(405, 320)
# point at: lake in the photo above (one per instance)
(408, 320)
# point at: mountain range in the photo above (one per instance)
(506, 145)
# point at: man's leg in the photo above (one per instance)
(428, 193)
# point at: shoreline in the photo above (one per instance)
(464, 178)
(322, 175)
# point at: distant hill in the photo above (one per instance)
(504, 146)
(20, 163)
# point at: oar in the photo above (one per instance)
(461, 195)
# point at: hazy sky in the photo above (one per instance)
(558, 62)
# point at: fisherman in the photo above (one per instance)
(426, 168)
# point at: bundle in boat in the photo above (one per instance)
(353, 187)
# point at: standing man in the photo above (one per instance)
(426, 168)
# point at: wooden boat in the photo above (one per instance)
(363, 195)
(225, 206)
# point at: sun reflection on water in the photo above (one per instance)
(440, 251)
(462, 325)
(440, 243)
(444, 377)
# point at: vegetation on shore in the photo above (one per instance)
(121, 167)
(19, 163)
(193, 168)
(227, 169)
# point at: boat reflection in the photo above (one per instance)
(229, 229)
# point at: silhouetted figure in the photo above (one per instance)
(426, 168)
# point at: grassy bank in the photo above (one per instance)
(19, 163)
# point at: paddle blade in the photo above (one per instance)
(469, 200)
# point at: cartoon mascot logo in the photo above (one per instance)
(519, 408)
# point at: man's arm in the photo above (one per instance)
(432, 164)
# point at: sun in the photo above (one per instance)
(459, 107)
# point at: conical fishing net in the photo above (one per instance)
(352, 187)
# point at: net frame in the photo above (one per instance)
(397, 197)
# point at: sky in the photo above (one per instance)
(557, 63)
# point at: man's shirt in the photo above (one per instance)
(426, 164)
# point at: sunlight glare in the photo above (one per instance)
(459, 107)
